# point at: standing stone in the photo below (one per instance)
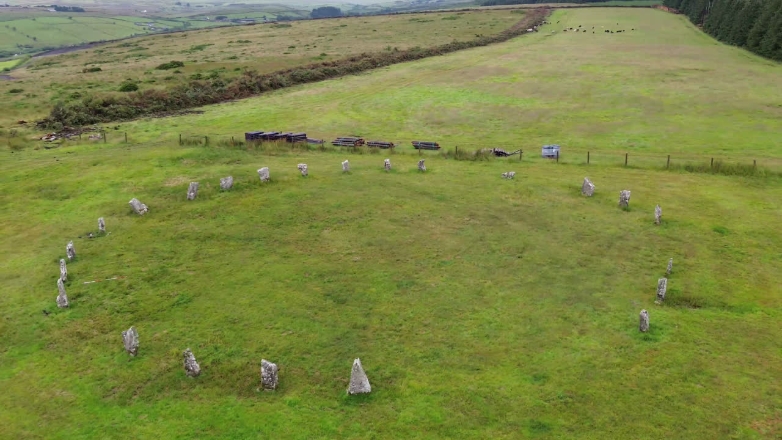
(226, 183)
(268, 375)
(130, 338)
(345, 167)
(62, 298)
(509, 175)
(624, 199)
(658, 215)
(387, 164)
(70, 251)
(587, 188)
(63, 271)
(138, 207)
(192, 191)
(421, 166)
(670, 267)
(644, 327)
(359, 382)
(263, 173)
(303, 168)
(662, 286)
(191, 366)
(101, 226)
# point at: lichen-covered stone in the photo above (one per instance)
(269, 377)
(263, 173)
(62, 297)
(192, 368)
(359, 382)
(387, 164)
(63, 270)
(345, 166)
(509, 175)
(70, 251)
(421, 166)
(138, 207)
(130, 339)
(658, 215)
(624, 199)
(303, 168)
(587, 188)
(662, 286)
(101, 225)
(644, 326)
(670, 267)
(226, 183)
(192, 191)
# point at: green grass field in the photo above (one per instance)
(480, 307)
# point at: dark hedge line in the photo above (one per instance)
(97, 109)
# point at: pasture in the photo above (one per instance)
(480, 307)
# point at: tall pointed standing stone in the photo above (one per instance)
(658, 215)
(62, 298)
(226, 183)
(138, 207)
(387, 164)
(644, 327)
(192, 191)
(63, 271)
(192, 368)
(269, 377)
(303, 168)
(421, 166)
(359, 382)
(70, 251)
(662, 286)
(263, 173)
(587, 188)
(624, 199)
(670, 267)
(346, 167)
(101, 225)
(130, 339)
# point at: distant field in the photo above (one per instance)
(9, 64)
(226, 52)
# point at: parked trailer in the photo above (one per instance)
(425, 145)
(380, 144)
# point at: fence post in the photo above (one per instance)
(625, 159)
(206, 140)
(104, 136)
(587, 157)
(232, 141)
(712, 163)
(668, 164)
(557, 156)
(754, 163)
(457, 150)
(520, 153)
(126, 137)
(180, 139)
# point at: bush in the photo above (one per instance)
(15, 91)
(128, 87)
(170, 65)
(91, 69)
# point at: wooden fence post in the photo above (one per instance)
(754, 163)
(668, 164)
(625, 159)
(104, 137)
(206, 140)
(557, 156)
(712, 163)
(126, 137)
(180, 139)
(457, 150)
(587, 157)
(520, 153)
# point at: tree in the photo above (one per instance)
(326, 12)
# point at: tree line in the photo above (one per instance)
(533, 2)
(755, 25)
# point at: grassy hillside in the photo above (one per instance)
(480, 307)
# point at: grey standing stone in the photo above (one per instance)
(269, 377)
(387, 164)
(670, 267)
(421, 166)
(359, 382)
(587, 188)
(624, 199)
(62, 297)
(226, 183)
(70, 251)
(138, 207)
(345, 166)
(63, 271)
(101, 225)
(509, 175)
(303, 168)
(191, 366)
(662, 286)
(263, 173)
(658, 215)
(644, 327)
(192, 191)
(130, 339)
